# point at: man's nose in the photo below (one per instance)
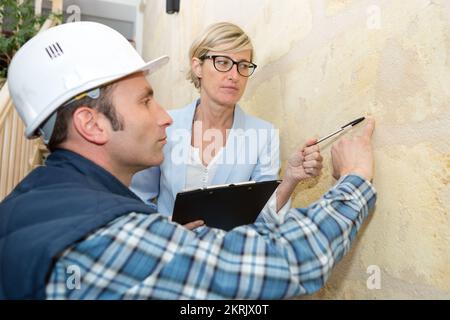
(164, 119)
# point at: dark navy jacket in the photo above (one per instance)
(55, 206)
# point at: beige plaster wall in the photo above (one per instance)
(321, 64)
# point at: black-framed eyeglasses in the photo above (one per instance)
(225, 64)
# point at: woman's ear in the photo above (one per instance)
(196, 65)
(91, 125)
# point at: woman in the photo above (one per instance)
(212, 140)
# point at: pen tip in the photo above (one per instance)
(358, 121)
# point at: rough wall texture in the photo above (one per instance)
(321, 64)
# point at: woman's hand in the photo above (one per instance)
(304, 163)
(194, 224)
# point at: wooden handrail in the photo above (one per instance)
(5, 105)
(18, 155)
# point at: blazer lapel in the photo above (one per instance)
(178, 171)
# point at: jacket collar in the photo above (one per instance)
(98, 176)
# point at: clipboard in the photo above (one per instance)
(225, 206)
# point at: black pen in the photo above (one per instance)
(350, 124)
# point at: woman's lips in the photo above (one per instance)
(230, 88)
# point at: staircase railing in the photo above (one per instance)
(19, 155)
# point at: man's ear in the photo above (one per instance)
(196, 66)
(91, 125)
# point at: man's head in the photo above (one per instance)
(68, 82)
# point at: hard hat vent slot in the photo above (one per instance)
(54, 50)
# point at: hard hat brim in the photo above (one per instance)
(154, 65)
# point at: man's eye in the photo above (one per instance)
(147, 102)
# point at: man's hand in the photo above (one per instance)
(193, 225)
(354, 155)
(304, 163)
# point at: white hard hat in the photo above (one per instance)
(64, 61)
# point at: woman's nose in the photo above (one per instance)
(233, 73)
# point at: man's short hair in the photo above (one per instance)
(102, 104)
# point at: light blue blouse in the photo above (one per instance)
(251, 153)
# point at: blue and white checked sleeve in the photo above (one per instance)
(141, 256)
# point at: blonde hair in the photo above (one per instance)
(222, 36)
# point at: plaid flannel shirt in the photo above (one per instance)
(140, 256)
